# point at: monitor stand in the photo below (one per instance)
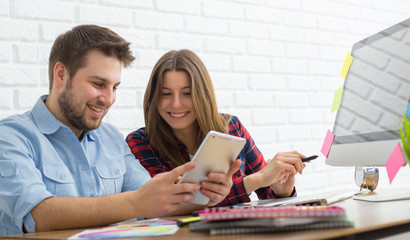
(367, 178)
(384, 195)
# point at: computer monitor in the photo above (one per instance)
(375, 97)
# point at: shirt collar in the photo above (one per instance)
(44, 119)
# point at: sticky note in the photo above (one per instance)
(394, 163)
(337, 99)
(327, 144)
(408, 111)
(346, 65)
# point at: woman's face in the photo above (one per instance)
(175, 105)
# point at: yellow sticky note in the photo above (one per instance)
(346, 65)
(337, 99)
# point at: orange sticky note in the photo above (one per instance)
(394, 163)
(327, 144)
(346, 65)
(337, 99)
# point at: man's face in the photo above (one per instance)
(86, 98)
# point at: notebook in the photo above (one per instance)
(228, 213)
(342, 222)
(226, 220)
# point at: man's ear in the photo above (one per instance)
(60, 74)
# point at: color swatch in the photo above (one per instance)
(153, 227)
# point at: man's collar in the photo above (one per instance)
(44, 119)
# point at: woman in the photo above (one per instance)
(180, 109)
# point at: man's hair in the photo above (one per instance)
(71, 48)
(203, 99)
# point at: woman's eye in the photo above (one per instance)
(187, 93)
(165, 94)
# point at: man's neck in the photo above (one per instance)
(52, 105)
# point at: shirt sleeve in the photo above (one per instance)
(21, 185)
(136, 175)
(149, 158)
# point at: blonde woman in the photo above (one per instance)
(179, 110)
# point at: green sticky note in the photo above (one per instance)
(346, 65)
(337, 99)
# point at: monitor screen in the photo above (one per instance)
(376, 94)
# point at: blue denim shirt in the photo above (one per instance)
(40, 158)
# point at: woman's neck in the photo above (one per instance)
(188, 137)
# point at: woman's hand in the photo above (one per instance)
(219, 184)
(278, 173)
(284, 186)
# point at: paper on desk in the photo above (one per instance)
(144, 228)
(394, 163)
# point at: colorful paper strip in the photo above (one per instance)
(394, 163)
(346, 65)
(327, 144)
(337, 99)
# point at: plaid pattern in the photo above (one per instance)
(251, 157)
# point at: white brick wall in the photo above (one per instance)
(275, 64)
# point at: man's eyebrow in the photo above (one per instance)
(99, 78)
(103, 79)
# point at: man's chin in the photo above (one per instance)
(94, 125)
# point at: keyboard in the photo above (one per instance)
(326, 198)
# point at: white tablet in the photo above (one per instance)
(215, 154)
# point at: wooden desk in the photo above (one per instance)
(372, 220)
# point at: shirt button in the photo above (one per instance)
(62, 176)
(117, 171)
(83, 167)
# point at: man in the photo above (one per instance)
(61, 167)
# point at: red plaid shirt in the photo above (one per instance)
(251, 157)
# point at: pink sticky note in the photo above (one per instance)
(394, 163)
(327, 144)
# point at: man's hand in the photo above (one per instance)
(161, 195)
(219, 184)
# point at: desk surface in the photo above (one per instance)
(371, 219)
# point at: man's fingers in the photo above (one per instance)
(180, 170)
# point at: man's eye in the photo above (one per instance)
(97, 84)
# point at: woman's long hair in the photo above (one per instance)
(203, 98)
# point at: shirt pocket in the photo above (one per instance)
(58, 180)
(8, 170)
(112, 176)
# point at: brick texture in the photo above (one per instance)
(274, 64)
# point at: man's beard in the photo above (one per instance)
(76, 117)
